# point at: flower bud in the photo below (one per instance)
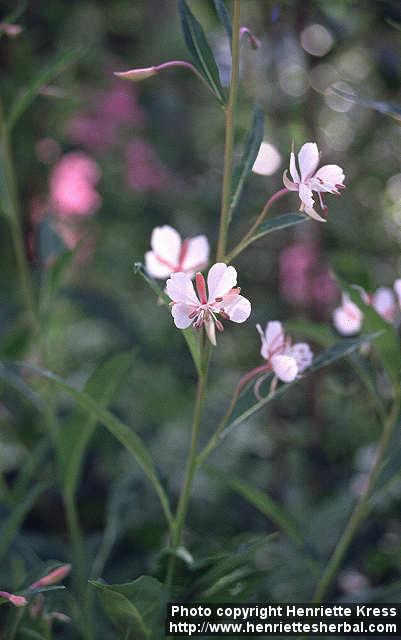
(17, 601)
(53, 577)
(136, 75)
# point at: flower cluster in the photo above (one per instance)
(348, 318)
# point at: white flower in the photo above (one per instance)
(287, 361)
(268, 160)
(170, 255)
(383, 301)
(347, 318)
(221, 297)
(328, 179)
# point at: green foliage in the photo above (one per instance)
(135, 608)
(200, 50)
(251, 149)
(278, 223)
(383, 107)
(224, 17)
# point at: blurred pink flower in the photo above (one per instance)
(329, 179)
(17, 601)
(144, 171)
(99, 126)
(72, 185)
(347, 318)
(169, 254)
(221, 297)
(302, 279)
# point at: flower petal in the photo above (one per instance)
(285, 367)
(268, 160)
(308, 159)
(166, 243)
(383, 302)
(291, 186)
(302, 354)
(274, 339)
(220, 280)
(238, 309)
(348, 318)
(308, 203)
(154, 267)
(197, 255)
(328, 178)
(293, 169)
(180, 289)
(180, 313)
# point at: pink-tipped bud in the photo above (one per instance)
(11, 30)
(53, 577)
(17, 601)
(253, 40)
(136, 75)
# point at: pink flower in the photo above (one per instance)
(329, 179)
(221, 297)
(53, 577)
(285, 360)
(72, 185)
(170, 255)
(383, 301)
(17, 601)
(144, 171)
(347, 318)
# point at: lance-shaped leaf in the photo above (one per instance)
(43, 78)
(224, 17)
(76, 432)
(123, 433)
(191, 338)
(135, 608)
(200, 50)
(383, 107)
(251, 149)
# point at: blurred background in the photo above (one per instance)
(100, 163)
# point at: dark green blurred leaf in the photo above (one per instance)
(262, 502)
(251, 149)
(57, 66)
(200, 51)
(16, 13)
(74, 435)
(136, 608)
(191, 337)
(124, 434)
(319, 333)
(279, 222)
(385, 108)
(224, 17)
(12, 523)
(11, 376)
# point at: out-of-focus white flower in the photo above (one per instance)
(347, 318)
(383, 301)
(221, 297)
(328, 178)
(268, 160)
(286, 361)
(172, 255)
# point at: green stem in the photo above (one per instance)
(214, 440)
(248, 238)
(360, 510)
(229, 138)
(78, 562)
(12, 633)
(189, 476)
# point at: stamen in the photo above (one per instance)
(201, 288)
(224, 315)
(219, 325)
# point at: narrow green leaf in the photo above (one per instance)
(76, 432)
(57, 66)
(251, 149)
(200, 50)
(262, 502)
(224, 17)
(124, 434)
(12, 523)
(383, 107)
(138, 606)
(191, 337)
(9, 375)
(279, 222)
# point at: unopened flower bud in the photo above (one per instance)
(136, 75)
(17, 601)
(53, 577)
